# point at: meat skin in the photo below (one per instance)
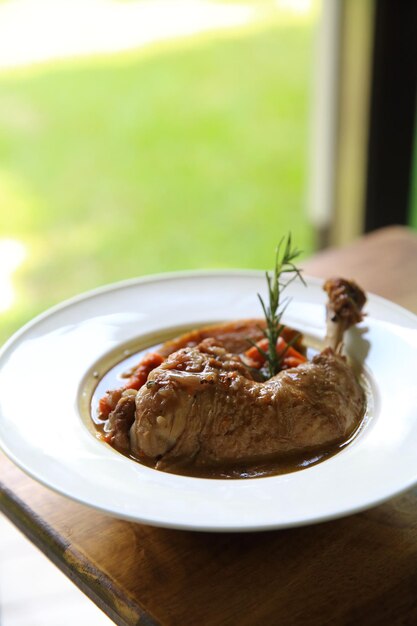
(203, 406)
(121, 419)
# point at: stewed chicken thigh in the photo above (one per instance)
(205, 405)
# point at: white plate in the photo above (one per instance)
(43, 369)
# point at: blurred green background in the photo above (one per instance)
(191, 153)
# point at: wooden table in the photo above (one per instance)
(356, 570)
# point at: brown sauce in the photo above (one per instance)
(284, 464)
(273, 466)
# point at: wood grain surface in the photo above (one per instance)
(356, 570)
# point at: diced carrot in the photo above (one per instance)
(256, 359)
(289, 351)
(254, 355)
(141, 373)
(291, 361)
(134, 382)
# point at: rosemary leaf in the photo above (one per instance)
(285, 254)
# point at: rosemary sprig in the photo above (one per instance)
(285, 255)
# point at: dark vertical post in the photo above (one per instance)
(392, 113)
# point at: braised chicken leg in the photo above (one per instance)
(203, 406)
